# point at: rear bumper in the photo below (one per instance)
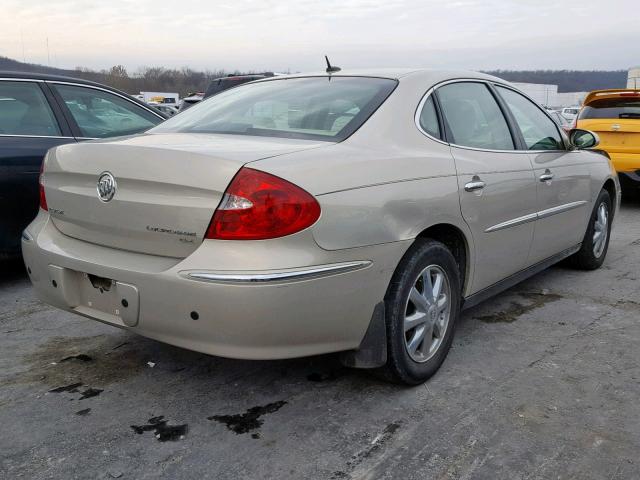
(625, 162)
(253, 300)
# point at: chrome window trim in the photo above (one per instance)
(35, 136)
(429, 92)
(60, 82)
(22, 79)
(282, 276)
(536, 216)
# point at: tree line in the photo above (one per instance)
(154, 79)
(568, 80)
(186, 80)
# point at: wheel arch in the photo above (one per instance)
(610, 187)
(458, 243)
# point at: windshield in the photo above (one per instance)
(314, 108)
(612, 108)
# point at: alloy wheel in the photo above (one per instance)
(600, 230)
(427, 313)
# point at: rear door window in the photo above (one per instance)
(474, 117)
(538, 130)
(101, 114)
(24, 110)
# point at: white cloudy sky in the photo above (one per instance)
(293, 35)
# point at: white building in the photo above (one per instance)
(542, 93)
(633, 79)
(548, 95)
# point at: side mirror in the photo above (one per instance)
(583, 139)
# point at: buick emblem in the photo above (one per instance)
(107, 186)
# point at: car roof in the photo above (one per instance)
(428, 75)
(52, 78)
(4, 74)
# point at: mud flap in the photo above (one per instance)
(372, 352)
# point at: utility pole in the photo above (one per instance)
(48, 54)
(24, 58)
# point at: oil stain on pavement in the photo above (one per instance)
(73, 388)
(162, 430)
(58, 362)
(250, 420)
(516, 310)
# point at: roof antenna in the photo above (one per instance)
(330, 68)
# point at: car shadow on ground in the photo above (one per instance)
(631, 199)
(11, 270)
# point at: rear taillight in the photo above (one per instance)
(43, 197)
(258, 205)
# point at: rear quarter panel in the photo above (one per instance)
(386, 183)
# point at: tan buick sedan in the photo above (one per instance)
(346, 212)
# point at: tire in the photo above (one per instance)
(426, 259)
(591, 255)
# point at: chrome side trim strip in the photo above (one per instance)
(560, 208)
(512, 223)
(291, 275)
(535, 216)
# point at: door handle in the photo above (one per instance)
(547, 176)
(475, 184)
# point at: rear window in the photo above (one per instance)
(612, 108)
(314, 108)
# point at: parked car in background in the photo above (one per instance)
(223, 83)
(169, 98)
(562, 122)
(615, 116)
(353, 212)
(570, 113)
(38, 112)
(190, 100)
(168, 110)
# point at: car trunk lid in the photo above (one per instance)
(167, 187)
(616, 135)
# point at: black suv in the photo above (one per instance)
(38, 112)
(218, 85)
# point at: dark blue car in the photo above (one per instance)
(38, 112)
